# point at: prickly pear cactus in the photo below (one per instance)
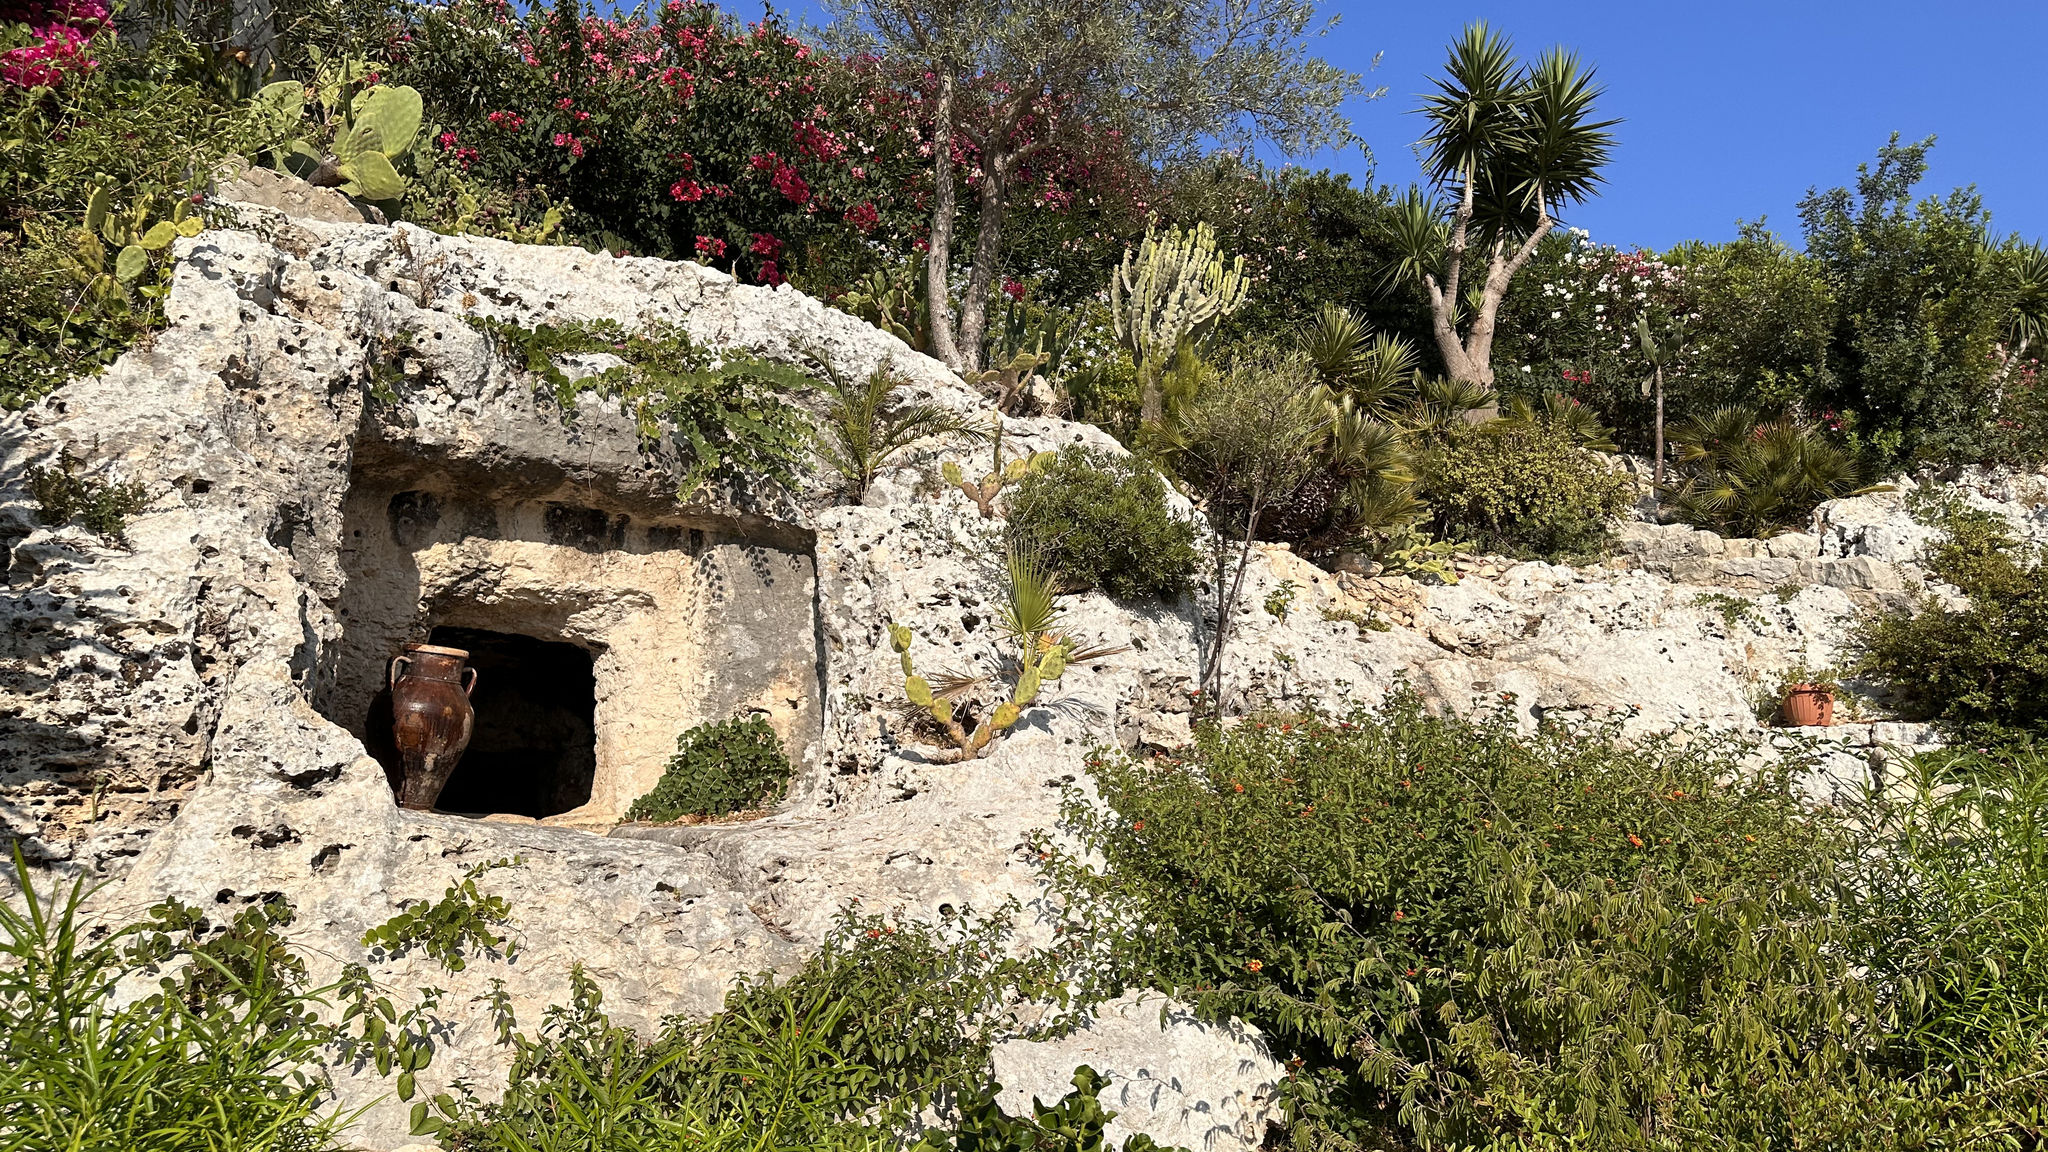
(1048, 662)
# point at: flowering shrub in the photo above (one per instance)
(1465, 936)
(680, 134)
(133, 124)
(58, 35)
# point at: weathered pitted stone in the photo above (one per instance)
(334, 457)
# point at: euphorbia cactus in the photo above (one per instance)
(1173, 289)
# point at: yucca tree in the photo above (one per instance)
(1376, 372)
(1744, 476)
(1509, 145)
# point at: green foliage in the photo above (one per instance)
(1766, 322)
(863, 433)
(1923, 297)
(1741, 475)
(1980, 671)
(1032, 622)
(1526, 489)
(65, 497)
(1100, 520)
(1732, 609)
(729, 766)
(212, 1045)
(463, 917)
(884, 1021)
(1470, 936)
(730, 420)
(1954, 906)
(1074, 1124)
(103, 160)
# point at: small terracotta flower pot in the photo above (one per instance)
(1809, 706)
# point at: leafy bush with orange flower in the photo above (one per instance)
(1465, 935)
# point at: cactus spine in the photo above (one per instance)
(1004, 473)
(1170, 292)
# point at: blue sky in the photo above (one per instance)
(1734, 108)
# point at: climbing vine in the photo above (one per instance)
(727, 412)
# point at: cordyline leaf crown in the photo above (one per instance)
(1508, 146)
(1009, 78)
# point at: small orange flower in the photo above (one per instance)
(1138, 827)
(1236, 787)
(1253, 965)
(1411, 971)
(1635, 840)
(1699, 899)
(1400, 915)
(874, 933)
(1678, 793)
(1751, 839)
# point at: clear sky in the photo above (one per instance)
(1733, 108)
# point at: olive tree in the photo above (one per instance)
(1508, 146)
(1008, 79)
(1248, 441)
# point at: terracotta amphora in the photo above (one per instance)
(431, 718)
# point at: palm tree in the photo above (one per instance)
(1747, 477)
(861, 432)
(1508, 146)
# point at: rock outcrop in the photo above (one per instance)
(337, 460)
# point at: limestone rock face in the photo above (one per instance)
(337, 461)
(1183, 1082)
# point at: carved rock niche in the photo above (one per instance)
(600, 630)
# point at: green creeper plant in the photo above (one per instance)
(464, 917)
(1001, 474)
(1031, 621)
(1169, 292)
(720, 768)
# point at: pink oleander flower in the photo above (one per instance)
(686, 190)
(765, 245)
(770, 274)
(863, 216)
(710, 247)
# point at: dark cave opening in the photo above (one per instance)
(534, 748)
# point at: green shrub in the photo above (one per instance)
(1953, 910)
(1101, 521)
(1741, 475)
(216, 1048)
(143, 126)
(1465, 936)
(1525, 489)
(883, 1022)
(64, 497)
(1980, 672)
(731, 766)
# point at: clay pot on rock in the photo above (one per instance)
(431, 719)
(1809, 706)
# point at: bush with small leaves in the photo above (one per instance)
(1100, 520)
(730, 766)
(1525, 489)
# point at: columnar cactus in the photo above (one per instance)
(1173, 289)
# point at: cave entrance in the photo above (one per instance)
(534, 748)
